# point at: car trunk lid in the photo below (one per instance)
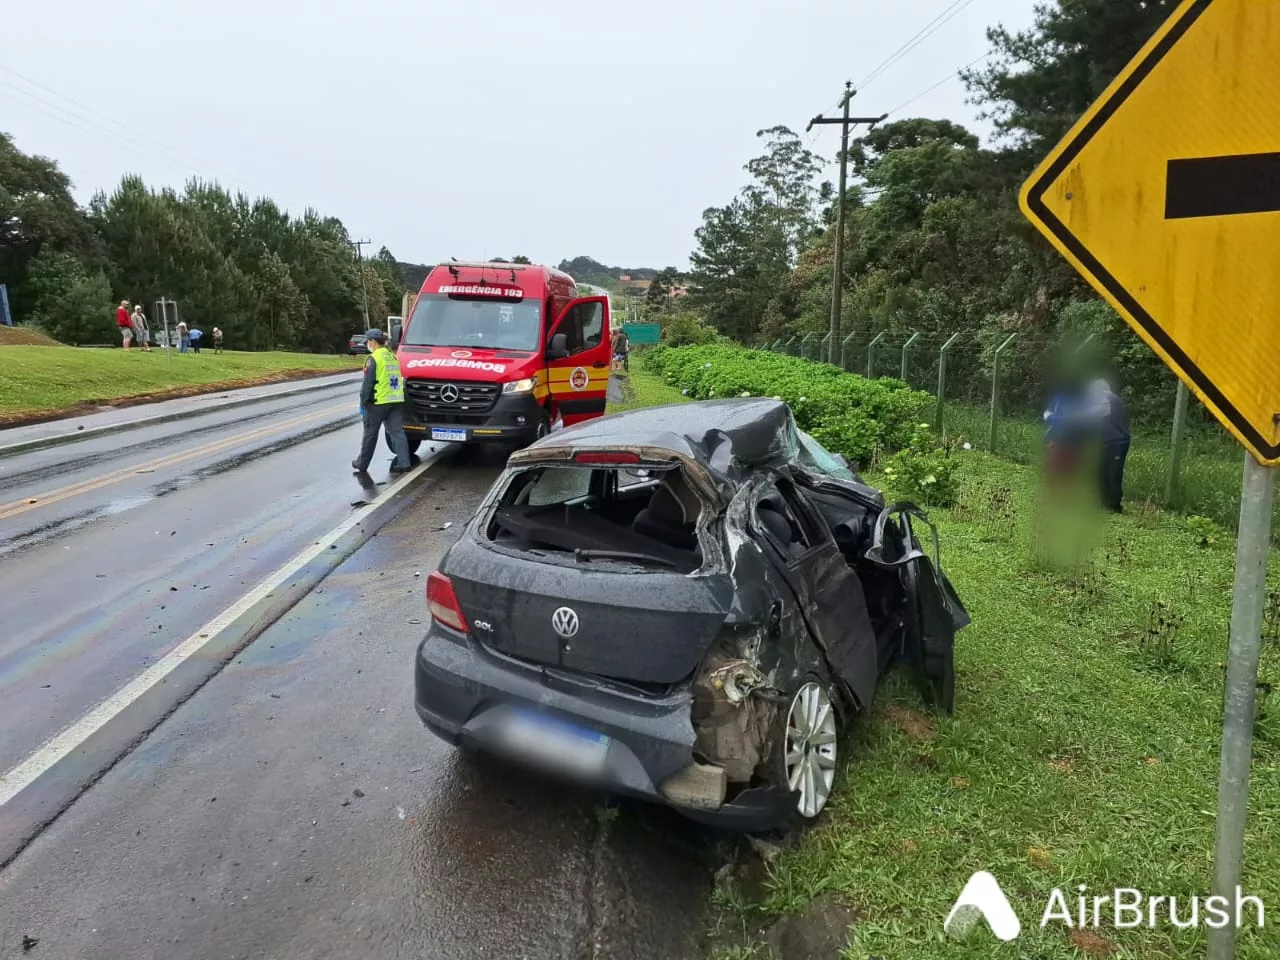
(608, 619)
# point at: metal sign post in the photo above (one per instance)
(1257, 494)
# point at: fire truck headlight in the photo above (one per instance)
(520, 386)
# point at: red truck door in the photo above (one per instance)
(578, 360)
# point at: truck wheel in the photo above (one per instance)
(415, 441)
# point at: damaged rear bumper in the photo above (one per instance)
(466, 694)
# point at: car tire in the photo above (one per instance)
(807, 747)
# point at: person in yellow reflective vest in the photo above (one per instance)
(382, 405)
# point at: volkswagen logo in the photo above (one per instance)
(449, 393)
(565, 623)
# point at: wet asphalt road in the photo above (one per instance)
(294, 806)
(115, 548)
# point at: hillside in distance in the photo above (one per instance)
(582, 269)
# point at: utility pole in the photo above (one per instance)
(837, 277)
(359, 245)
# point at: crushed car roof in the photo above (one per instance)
(723, 435)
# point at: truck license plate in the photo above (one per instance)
(557, 743)
(447, 433)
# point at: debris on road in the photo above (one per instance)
(357, 792)
(29, 942)
(766, 851)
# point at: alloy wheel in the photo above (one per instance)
(810, 759)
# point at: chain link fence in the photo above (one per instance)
(991, 393)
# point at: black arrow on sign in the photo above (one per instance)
(1222, 186)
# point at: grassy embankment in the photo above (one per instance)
(40, 379)
(1084, 747)
(1209, 482)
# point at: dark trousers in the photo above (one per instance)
(1111, 474)
(391, 417)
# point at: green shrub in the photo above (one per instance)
(847, 413)
(923, 471)
(686, 329)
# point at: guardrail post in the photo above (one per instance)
(1171, 482)
(905, 347)
(942, 384)
(871, 356)
(995, 391)
(844, 352)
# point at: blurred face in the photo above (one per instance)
(372, 345)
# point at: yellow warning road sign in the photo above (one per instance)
(1166, 197)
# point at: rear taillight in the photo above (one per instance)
(443, 603)
(603, 456)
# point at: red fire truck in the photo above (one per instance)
(501, 352)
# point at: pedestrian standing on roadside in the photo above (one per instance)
(615, 351)
(382, 405)
(217, 339)
(1062, 438)
(184, 336)
(141, 332)
(1106, 410)
(195, 336)
(124, 324)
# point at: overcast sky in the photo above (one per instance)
(474, 128)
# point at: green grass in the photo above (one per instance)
(643, 389)
(38, 379)
(1084, 747)
(1211, 463)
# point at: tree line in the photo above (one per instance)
(268, 279)
(935, 242)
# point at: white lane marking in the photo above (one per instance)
(57, 749)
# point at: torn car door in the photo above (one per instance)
(829, 593)
(934, 613)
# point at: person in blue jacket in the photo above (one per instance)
(1063, 436)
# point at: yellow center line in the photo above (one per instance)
(97, 483)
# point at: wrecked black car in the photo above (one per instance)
(683, 604)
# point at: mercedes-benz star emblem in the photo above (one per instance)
(449, 393)
(565, 623)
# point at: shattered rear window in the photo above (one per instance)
(643, 516)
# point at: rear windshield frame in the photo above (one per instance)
(486, 529)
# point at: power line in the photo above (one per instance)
(77, 122)
(948, 13)
(124, 134)
(953, 75)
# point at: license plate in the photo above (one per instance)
(557, 743)
(447, 433)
